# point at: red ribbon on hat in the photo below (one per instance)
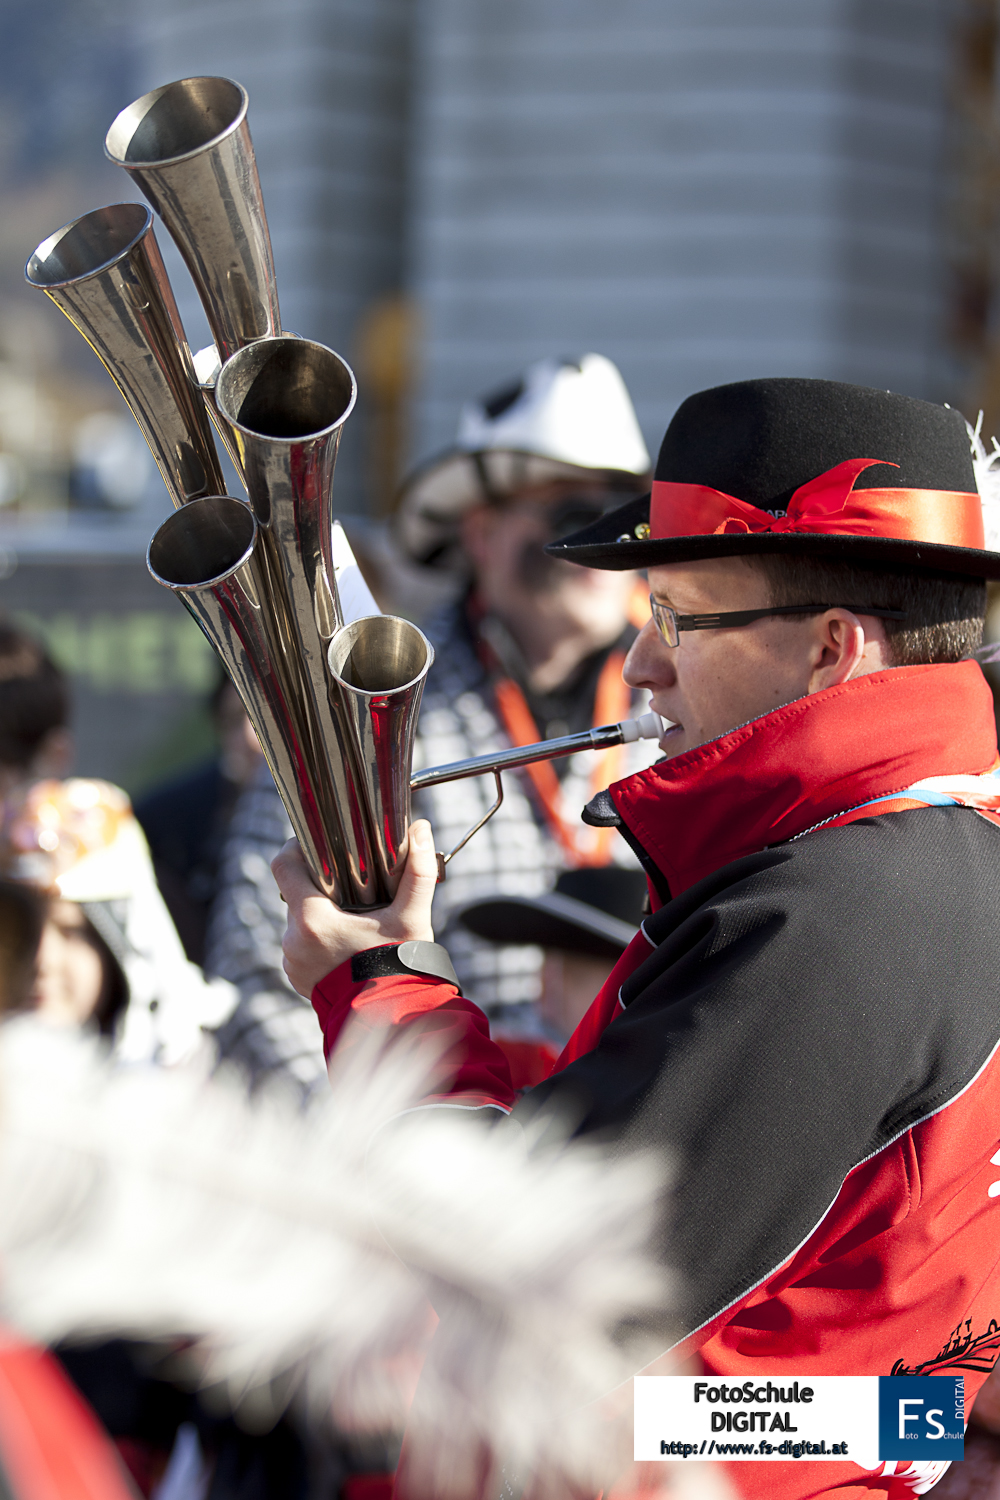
(828, 505)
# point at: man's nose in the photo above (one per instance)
(650, 661)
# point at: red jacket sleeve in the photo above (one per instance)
(431, 1010)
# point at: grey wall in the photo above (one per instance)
(704, 190)
(329, 89)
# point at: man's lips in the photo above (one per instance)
(670, 733)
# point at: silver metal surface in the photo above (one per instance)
(187, 146)
(105, 273)
(444, 860)
(378, 667)
(207, 555)
(284, 402)
(521, 755)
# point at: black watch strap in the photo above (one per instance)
(405, 958)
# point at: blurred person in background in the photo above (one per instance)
(87, 943)
(186, 820)
(35, 741)
(583, 926)
(22, 915)
(271, 1035)
(110, 955)
(533, 648)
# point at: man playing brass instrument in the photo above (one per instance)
(807, 1025)
(532, 650)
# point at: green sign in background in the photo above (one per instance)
(140, 668)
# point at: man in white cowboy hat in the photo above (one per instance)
(532, 649)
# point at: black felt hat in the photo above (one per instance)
(595, 911)
(766, 466)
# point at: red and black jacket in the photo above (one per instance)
(807, 1026)
(51, 1444)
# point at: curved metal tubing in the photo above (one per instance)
(187, 146)
(206, 555)
(378, 667)
(522, 755)
(648, 727)
(444, 860)
(105, 273)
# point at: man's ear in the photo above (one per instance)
(838, 649)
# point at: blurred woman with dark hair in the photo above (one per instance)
(110, 954)
(21, 920)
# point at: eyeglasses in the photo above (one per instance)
(669, 623)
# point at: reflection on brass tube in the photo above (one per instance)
(105, 273)
(206, 555)
(285, 401)
(187, 146)
(378, 667)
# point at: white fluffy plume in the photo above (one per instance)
(986, 462)
(165, 1205)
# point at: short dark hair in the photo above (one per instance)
(34, 696)
(21, 916)
(945, 612)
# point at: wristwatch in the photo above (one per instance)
(405, 958)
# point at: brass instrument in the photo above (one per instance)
(187, 147)
(105, 273)
(648, 727)
(207, 554)
(332, 696)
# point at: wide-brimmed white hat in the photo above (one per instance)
(562, 419)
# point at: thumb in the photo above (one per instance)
(416, 889)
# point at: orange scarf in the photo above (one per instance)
(612, 701)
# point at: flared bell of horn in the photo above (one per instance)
(104, 271)
(206, 555)
(187, 147)
(378, 667)
(284, 402)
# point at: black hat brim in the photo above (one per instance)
(598, 546)
(551, 921)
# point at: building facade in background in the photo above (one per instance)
(329, 84)
(704, 190)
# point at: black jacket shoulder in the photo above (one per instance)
(799, 1009)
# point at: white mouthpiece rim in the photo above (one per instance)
(648, 727)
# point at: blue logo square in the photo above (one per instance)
(921, 1416)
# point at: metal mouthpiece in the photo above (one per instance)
(187, 146)
(104, 271)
